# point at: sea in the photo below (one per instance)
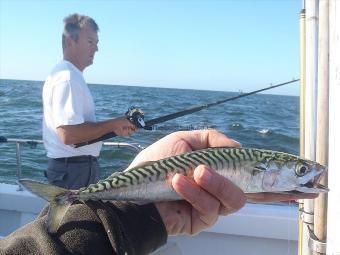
(258, 121)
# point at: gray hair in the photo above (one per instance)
(74, 23)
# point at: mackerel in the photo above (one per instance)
(253, 170)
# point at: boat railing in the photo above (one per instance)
(33, 144)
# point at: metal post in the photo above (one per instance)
(320, 203)
(310, 108)
(18, 152)
(302, 108)
(333, 224)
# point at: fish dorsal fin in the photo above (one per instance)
(141, 164)
(115, 174)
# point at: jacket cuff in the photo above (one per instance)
(142, 225)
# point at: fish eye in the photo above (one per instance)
(301, 170)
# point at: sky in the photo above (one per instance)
(228, 45)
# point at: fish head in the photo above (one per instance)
(298, 175)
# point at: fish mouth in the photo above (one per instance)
(314, 185)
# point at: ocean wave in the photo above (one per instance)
(265, 131)
(236, 126)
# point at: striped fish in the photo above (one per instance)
(253, 170)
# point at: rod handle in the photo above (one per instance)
(103, 137)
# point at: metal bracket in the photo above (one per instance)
(306, 217)
(315, 244)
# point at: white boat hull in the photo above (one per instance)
(256, 229)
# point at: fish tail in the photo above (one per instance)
(56, 214)
(60, 200)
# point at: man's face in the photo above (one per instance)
(86, 47)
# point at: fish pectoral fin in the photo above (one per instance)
(258, 168)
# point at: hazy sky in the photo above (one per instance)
(216, 45)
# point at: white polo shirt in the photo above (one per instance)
(67, 101)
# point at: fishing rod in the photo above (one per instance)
(136, 116)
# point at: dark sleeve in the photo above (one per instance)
(94, 228)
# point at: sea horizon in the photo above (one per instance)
(164, 87)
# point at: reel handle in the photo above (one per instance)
(136, 116)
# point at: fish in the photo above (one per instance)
(253, 170)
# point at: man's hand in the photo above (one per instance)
(121, 126)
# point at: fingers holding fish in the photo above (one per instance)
(214, 138)
(231, 198)
(200, 139)
(205, 207)
(210, 195)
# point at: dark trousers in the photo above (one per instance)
(73, 172)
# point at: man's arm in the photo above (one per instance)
(94, 228)
(73, 134)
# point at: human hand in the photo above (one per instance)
(206, 196)
(122, 126)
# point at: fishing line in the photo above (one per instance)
(288, 228)
(136, 116)
(291, 215)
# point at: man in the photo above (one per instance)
(69, 112)
(126, 228)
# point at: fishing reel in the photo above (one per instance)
(136, 116)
